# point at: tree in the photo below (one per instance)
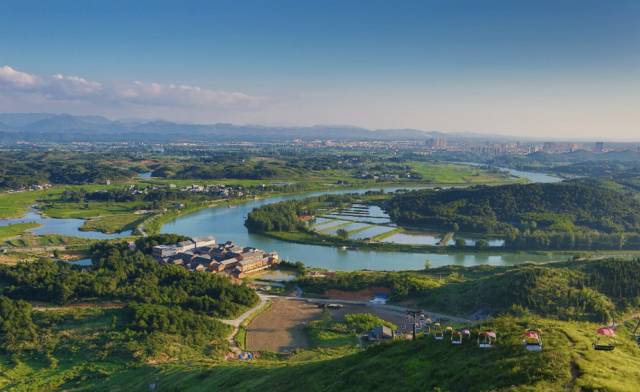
(16, 325)
(482, 244)
(342, 234)
(427, 264)
(460, 243)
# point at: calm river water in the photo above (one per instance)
(227, 224)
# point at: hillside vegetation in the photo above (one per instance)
(567, 215)
(149, 336)
(579, 290)
(567, 363)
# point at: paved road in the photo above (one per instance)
(396, 308)
(236, 322)
(401, 309)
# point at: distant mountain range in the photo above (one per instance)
(67, 128)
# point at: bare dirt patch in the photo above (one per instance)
(391, 315)
(281, 327)
(358, 295)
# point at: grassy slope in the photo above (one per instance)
(568, 362)
(453, 173)
(14, 205)
(16, 229)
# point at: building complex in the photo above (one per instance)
(205, 255)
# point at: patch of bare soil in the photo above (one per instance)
(359, 295)
(281, 327)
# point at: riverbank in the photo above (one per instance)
(154, 223)
(335, 242)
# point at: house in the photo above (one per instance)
(254, 260)
(380, 332)
(204, 241)
(184, 256)
(226, 264)
(203, 254)
(185, 245)
(201, 259)
(204, 250)
(162, 251)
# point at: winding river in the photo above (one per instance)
(66, 227)
(227, 224)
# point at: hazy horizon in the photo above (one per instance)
(545, 69)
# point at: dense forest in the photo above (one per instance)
(565, 207)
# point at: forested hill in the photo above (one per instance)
(562, 207)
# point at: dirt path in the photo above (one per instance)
(575, 373)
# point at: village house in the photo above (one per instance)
(185, 245)
(164, 251)
(204, 241)
(380, 332)
(202, 254)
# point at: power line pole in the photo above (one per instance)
(414, 314)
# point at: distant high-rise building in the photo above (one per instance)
(437, 144)
(599, 147)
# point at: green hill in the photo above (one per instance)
(594, 290)
(567, 363)
(120, 345)
(575, 205)
(569, 215)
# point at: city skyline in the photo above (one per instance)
(561, 70)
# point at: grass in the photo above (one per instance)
(47, 240)
(325, 333)
(333, 241)
(241, 336)
(457, 174)
(387, 234)
(89, 210)
(17, 229)
(567, 363)
(15, 205)
(113, 223)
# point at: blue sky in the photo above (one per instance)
(556, 68)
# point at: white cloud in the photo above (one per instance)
(74, 88)
(179, 95)
(16, 79)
